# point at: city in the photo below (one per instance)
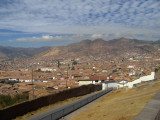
(52, 75)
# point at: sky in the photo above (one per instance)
(36, 23)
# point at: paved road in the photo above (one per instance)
(69, 116)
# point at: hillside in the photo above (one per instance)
(123, 104)
(100, 47)
(157, 43)
(12, 52)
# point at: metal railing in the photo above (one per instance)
(66, 109)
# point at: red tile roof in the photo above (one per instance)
(98, 77)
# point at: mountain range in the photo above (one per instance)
(83, 48)
(13, 52)
(100, 46)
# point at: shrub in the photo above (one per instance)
(7, 100)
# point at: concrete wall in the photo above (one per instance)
(141, 79)
(109, 85)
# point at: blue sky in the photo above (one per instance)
(35, 23)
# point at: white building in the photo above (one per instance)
(109, 84)
(48, 70)
(92, 80)
(130, 66)
(13, 79)
(28, 80)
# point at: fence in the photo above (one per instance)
(64, 110)
(28, 106)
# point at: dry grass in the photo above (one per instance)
(123, 104)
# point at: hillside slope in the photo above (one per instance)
(12, 52)
(99, 46)
(123, 104)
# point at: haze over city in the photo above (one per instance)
(36, 23)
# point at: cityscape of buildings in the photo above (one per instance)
(46, 77)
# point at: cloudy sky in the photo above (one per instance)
(35, 23)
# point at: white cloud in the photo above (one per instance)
(95, 36)
(43, 38)
(129, 33)
(95, 17)
(47, 38)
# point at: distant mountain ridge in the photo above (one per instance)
(83, 48)
(95, 47)
(13, 52)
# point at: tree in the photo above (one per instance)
(58, 64)
(74, 62)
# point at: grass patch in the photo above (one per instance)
(7, 100)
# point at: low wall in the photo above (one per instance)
(141, 79)
(28, 106)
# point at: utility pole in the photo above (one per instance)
(99, 78)
(107, 81)
(67, 76)
(123, 72)
(67, 69)
(32, 85)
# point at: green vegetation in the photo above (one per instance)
(39, 70)
(7, 100)
(74, 62)
(58, 64)
(9, 82)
